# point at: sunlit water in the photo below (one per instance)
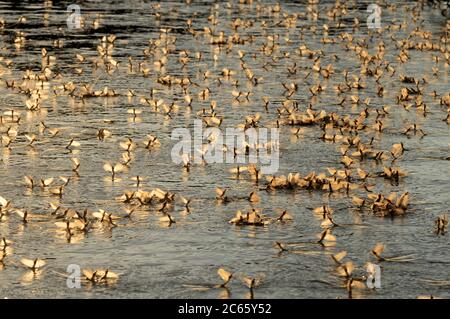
(156, 261)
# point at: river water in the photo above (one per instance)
(155, 261)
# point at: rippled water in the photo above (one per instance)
(156, 261)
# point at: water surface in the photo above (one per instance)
(156, 261)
